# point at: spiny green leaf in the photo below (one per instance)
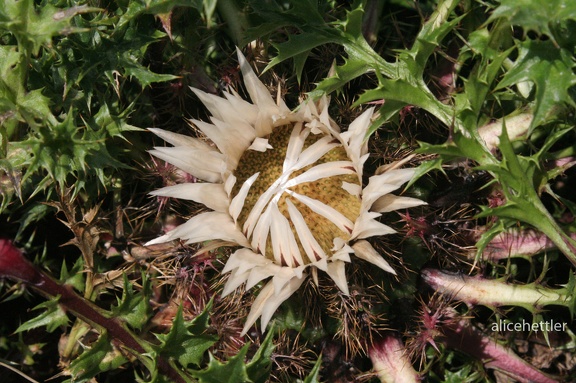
(315, 373)
(73, 277)
(144, 75)
(133, 307)
(386, 113)
(258, 369)
(571, 288)
(523, 203)
(36, 27)
(187, 342)
(298, 45)
(97, 358)
(233, 371)
(535, 15)
(15, 102)
(12, 74)
(405, 92)
(550, 69)
(431, 35)
(351, 69)
(486, 237)
(53, 317)
(425, 168)
(201, 323)
(480, 81)
(67, 152)
(274, 16)
(466, 374)
(114, 125)
(404, 82)
(153, 7)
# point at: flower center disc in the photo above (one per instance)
(327, 190)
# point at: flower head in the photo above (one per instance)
(285, 186)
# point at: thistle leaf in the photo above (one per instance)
(535, 15)
(134, 307)
(97, 358)
(187, 342)
(258, 369)
(53, 317)
(233, 371)
(550, 69)
(314, 373)
(36, 27)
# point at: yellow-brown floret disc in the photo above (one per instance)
(327, 190)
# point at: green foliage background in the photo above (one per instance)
(80, 81)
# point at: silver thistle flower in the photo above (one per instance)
(284, 186)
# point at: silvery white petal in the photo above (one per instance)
(258, 92)
(337, 271)
(266, 293)
(282, 117)
(364, 250)
(237, 202)
(258, 274)
(367, 226)
(320, 123)
(356, 136)
(353, 189)
(232, 109)
(231, 142)
(243, 260)
(339, 244)
(315, 151)
(209, 226)
(316, 127)
(264, 124)
(177, 139)
(242, 108)
(310, 110)
(325, 211)
(239, 131)
(391, 202)
(211, 195)
(260, 234)
(324, 170)
(286, 251)
(217, 106)
(229, 184)
(267, 302)
(393, 165)
(260, 204)
(321, 264)
(384, 183)
(360, 165)
(283, 275)
(235, 279)
(161, 239)
(309, 244)
(343, 254)
(295, 145)
(323, 105)
(206, 165)
(260, 145)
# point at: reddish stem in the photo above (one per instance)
(14, 266)
(463, 336)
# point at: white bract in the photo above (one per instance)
(285, 187)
